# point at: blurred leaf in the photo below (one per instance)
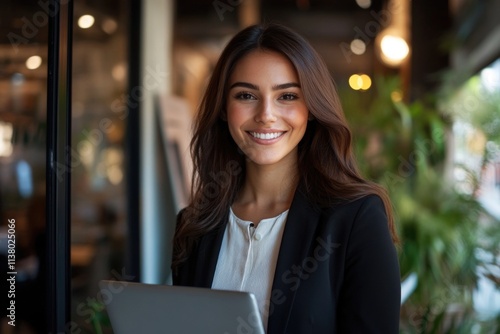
(403, 147)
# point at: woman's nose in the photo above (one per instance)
(266, 112)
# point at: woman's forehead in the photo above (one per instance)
(264, 66)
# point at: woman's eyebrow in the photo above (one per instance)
(255, 87)
(245, 85)
(286, 85)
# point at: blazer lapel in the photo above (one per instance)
(297, 238)
(208, 254)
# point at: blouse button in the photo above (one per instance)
(258, 236)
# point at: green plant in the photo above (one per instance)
(100, 319)
(404, 147)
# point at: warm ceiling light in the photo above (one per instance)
(360, 82)
(109, 26)
(364, 3)
(119, 72)
(366, 82)
(6, 131)
(394, 49)
(358, 47)
(33, 62)
(86, 21)
(354, 81)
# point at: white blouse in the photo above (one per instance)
(248, 256)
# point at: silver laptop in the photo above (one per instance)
(136, 308)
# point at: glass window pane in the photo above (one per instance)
(98, 194)
(23, 77)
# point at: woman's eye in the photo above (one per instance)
(244, 96)
(288, 96)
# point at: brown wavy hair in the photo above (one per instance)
(327, 168)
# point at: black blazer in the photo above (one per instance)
(337, 270)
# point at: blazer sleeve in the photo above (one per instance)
(178, 274)
(369, 301)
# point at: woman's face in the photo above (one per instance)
(266, 111)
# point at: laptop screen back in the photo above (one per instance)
(146, 308)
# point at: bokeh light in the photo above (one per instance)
(360, 82)
(358, 47)
(86, 21)
(33, 62)
(394, 49)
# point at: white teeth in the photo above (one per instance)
(266, 135)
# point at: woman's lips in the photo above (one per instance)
(269, 137)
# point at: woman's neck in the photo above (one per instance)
(267, 191)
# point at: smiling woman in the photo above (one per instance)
(295, 223)
(266, 112)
